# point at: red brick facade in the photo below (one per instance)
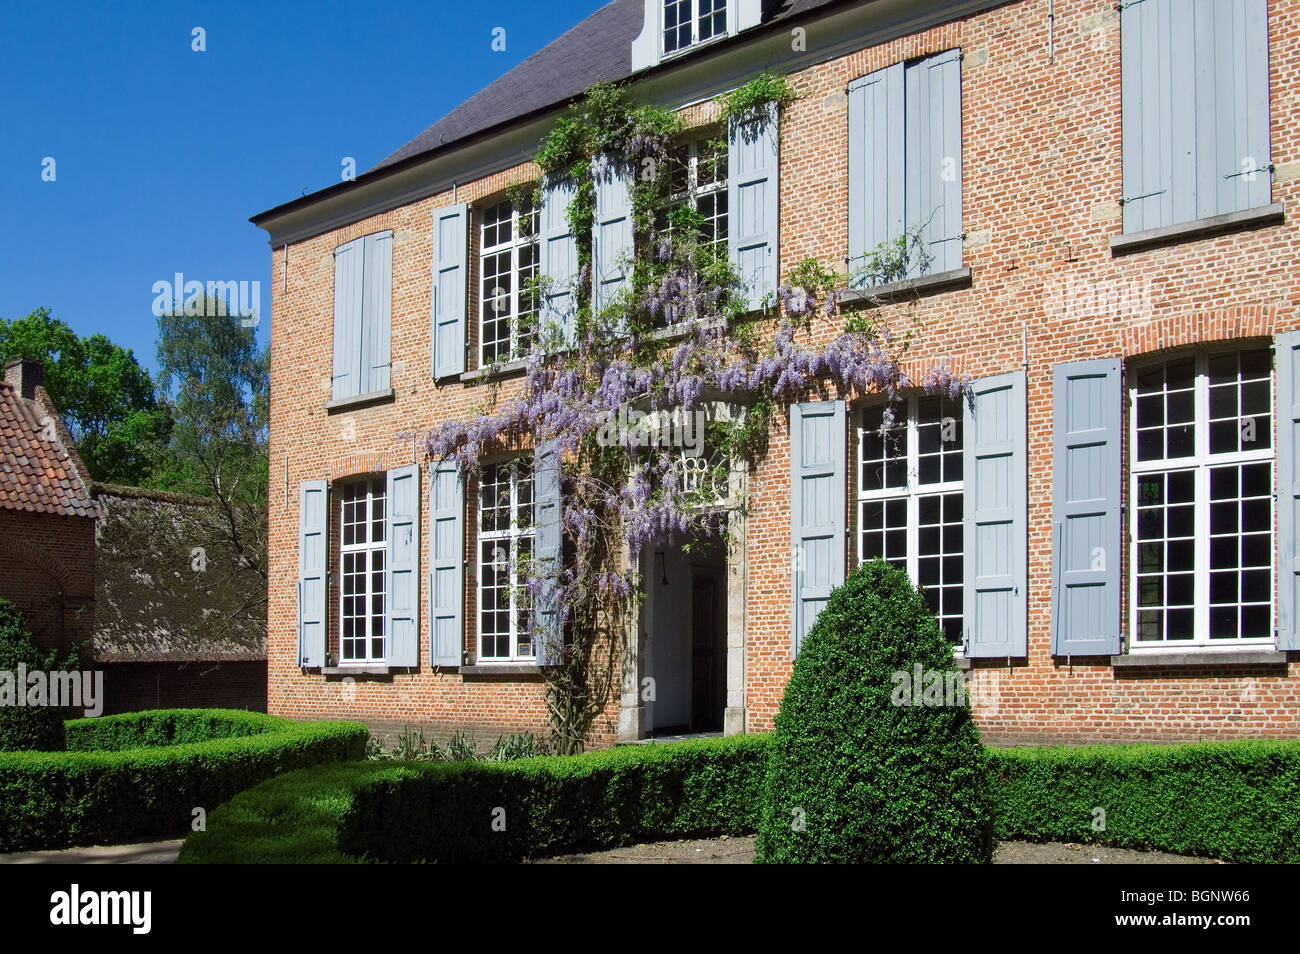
(1042, 176)
(47, 518)
(47, 569)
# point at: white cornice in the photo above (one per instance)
(688, 79)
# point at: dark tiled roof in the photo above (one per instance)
(151, 604)
(36, 474)
(597, 49)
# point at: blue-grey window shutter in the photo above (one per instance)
(548, 549)
(1195, 109)
(349, 282)
(1147, 110)
(611, 240)
(450, 279)
(559, 253)
(994, 602)
(377, 314)
(313, 553)
(1232, 99)
(876, 156)
(1087, 471)
(818, 438)
(1288, 490)
(933, 164)
(753, 186)
(402, 573)
(447, 557)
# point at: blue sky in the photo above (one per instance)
(162, 153)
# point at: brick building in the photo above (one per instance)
(1106, 527)
(180, 622)
(47, 516)
(112, 567)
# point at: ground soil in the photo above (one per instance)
(740, 851)
(706, 851)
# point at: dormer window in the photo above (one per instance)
(671, 27)
(688, 22)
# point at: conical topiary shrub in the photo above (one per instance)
(865, 767)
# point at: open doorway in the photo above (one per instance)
(685, 654)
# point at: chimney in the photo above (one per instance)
(24, 375)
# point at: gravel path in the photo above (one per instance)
(740, 851)
(147, 853)
(706, 851)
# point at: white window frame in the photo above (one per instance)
(694, 192)
(729, 26)
(368, 547)
(517, 242)
(913, 491)
(1201, 463)
(511, 537)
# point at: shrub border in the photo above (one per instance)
(697, 788)
(81, 797)
(1233, 800)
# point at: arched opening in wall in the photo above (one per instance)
(38, 592)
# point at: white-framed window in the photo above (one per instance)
(697, 180)
(505, 542)
(508, 261)
(688, 22)
(910, 499)
(1201, 492)
(362, 565)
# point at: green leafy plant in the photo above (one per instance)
(142, 774)
(683, 336)
(855, 777)
(31, 727)
(765, 90)
(436, 811)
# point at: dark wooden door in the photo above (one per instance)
(707, 678)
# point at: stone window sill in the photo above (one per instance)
(1197, 229)
(923, 285)
(505, 369)
(1186, 659)
(501, 669)
(376, 670)
(359, 400)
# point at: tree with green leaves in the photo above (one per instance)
(104, 395)
(215, 382)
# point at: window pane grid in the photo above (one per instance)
(1202, 514)
(508, 259)
(910, 501)
(687, 22)
(362, 572)
(697, 179)
(505, 549)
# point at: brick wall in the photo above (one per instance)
(47, 569)
(136, 686)
(1041, 181)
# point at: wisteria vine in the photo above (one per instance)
(679, 340)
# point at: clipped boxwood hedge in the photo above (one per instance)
(444, 812)
(161, 727)
(142, 774)
(1239, 801)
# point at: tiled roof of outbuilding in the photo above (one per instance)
(37, 474)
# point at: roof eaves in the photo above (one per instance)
(381, 172)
